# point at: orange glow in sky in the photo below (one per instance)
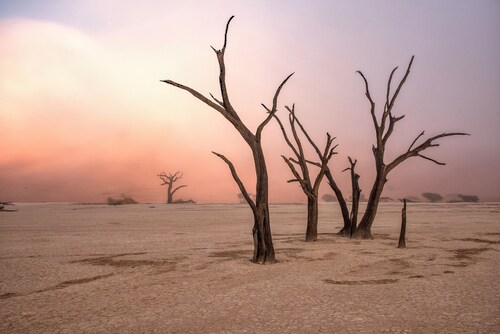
(84, 116)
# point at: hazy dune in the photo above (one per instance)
(154, 268)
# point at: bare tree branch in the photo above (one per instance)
(285, 135)
(372, 104)
(340, 197)
(329, 151)
(238, 181)
(216, 100)
(224, 107)
(179, 187)
(271, 112)
(313, 144)
(170, 178)
(225, 33)
(430, 159)
(176, 176)
(314, 163)
(303, 182)
(401, 83)
(425, 145)
(204, 99)
(413, 143)
(389, 89)
(222, 75)
(392, 122)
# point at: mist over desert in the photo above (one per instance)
(130, 129)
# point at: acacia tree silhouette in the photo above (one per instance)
(263, 243)
(384, 128)
(169, 180)
(309, 186)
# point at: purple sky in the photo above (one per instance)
(83, 115)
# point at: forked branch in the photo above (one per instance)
(273, 110)
(401, 83)
(224, 107)
(217, 106)
(170, 178)
(287, 139)
(415, 152)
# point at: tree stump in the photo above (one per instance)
(402, 234)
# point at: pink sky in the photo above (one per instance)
(83, 115)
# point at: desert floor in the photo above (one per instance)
(154, 268)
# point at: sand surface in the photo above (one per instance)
(72, 268)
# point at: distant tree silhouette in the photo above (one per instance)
(309, 186)
(241, 197)
(329, 198)
(169, 180)
(384, 128)
(182, 201)
(432, 197)
(121, 201)
(410, 199)
(263, 243)
(469, 198)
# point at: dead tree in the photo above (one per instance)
(263, 243)
(309, 186)
(169, 181)
(384, 128)
(402, 233)
(349, 218)
(356, 192)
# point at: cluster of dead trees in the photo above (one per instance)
(458, 198)
(309, 172)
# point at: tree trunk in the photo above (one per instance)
(263, 242)
(169, 194)
(402, 234)
(341, 200)
(309, 186)
(312, 219)
(363, 231)
(356, 192)
(350, 225)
